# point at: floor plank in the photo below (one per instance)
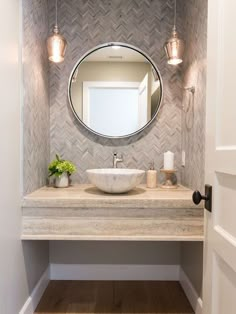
(119, 297)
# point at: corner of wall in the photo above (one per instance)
(194, 31)
(36, 95)
(35, 123)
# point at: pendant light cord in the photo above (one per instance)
(56, 13)
(175, 17)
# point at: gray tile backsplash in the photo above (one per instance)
(85, 24)
(36, 94)
(194, 17)
(145, 24)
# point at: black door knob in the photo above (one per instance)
(197, 197)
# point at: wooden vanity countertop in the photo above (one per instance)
(82, 212)
(88, 196)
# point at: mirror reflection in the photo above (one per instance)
(115, 91)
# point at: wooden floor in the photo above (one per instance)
(151, 297)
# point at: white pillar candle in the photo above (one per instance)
(168, 160)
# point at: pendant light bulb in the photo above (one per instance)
(174, 47)
(56, 44)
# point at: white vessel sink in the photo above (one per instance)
(115, 180)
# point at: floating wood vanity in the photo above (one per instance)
(82, 212)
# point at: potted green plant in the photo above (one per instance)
(61, 169)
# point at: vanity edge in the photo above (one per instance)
(87, 196)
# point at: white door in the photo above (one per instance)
(143, 102)
(219, 280)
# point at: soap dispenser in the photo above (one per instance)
(151, 177)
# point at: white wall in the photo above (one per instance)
(21, 264)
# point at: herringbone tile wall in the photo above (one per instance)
(36, 94)
(194, 17)
(85, 24)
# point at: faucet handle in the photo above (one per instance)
(116, 159)
(115, 155)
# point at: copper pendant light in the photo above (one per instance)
(56, 44)
(174, 47)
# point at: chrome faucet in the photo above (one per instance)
(116, 159)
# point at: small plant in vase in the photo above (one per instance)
(61, 169)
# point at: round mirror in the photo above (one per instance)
(115, 90)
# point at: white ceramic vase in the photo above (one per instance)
(62, 181)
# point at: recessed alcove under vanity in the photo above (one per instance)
(116, 49)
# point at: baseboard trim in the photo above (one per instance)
(33, 300)
(191, 294)
(113, 272)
